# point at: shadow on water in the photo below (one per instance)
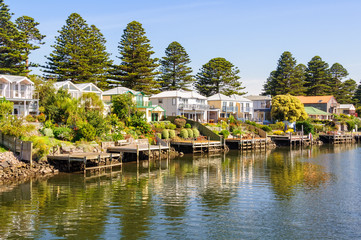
(156, 199)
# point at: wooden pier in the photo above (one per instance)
(98, 160)
(291, 140)
(139, 149)
(247, 144)
(197, 146)
(338, 138)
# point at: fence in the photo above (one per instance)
(23, 148)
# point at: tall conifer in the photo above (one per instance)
(137, 70)
(79, 53)
(317, 77)
(175, 72)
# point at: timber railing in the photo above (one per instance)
(18, 146)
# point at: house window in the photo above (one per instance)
(160, 101)
(174, 100)
(154, 117)
(222, 115)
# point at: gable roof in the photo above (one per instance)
(220, 97)
(239, 98)
(315, 111)
(15, 79)
(82, 86)
(179, 93)
(120, 90)
(347, 106)
(258, 97)
(314, 99)
(61, 84)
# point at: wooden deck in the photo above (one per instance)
(290, 140)
(197, 146)
(338, 138)
(247, 144)
(107, 158)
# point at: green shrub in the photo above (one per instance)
(30, 118)
(180, 122)
(231, 119)
(278, 132)
(171, 133)
(237, 132)
(224, 133)
(307, 127)
(165, 134)
(41, 117)
(195, 132)
(63, 133)
(86, 132)
(318, 128)
(171, 126)
(190, 133)
(48, 132)
(232, 127)
(350, 125)
(280, 125)
(188, 125)
(266, 128)
(159, 135)
(184, 133)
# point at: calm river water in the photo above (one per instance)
(281, 194)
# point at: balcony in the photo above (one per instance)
(16, 94)
(143, 104)
(229, 109)
(184, 106)
(246, 109)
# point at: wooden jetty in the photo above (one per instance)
(197, 146)
(338, 138)
(290, 140)
(247, 144)
(100, 160)
(138, 149)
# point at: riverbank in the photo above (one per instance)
(13, 170)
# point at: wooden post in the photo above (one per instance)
(208, 144)
(84, 163)
(111, 161)
(68, 162)
(99, 162)
(14, 145)
(168, 151)
(160, 152)
(148, 151)
(31, 154)
(137, 153)
(21, 150)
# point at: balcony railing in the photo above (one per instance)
(229, 109)
(246, 109)
(193, 106)
(144, 104)
(16, 94)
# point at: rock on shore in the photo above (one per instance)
(12, 169)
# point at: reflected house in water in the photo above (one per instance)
(20, 91)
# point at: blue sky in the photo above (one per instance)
(252, 34)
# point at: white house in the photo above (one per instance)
(151, 112)
(77, 90)
(20, 91)
(245, 107)
(261, 107)
(190, 104)
(90, 87)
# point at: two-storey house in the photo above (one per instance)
(20, 91)
(227, 105)
(190, 104)
(77, 90)
(324, 103)
(261, 108)
(151, 112)
(245, 107)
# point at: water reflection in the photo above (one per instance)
(155, 199)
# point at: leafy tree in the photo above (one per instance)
(317, 77)
(346, 91)
(6, 107)
(287, 107)
(175, 72)
(33, 37)
(79, 53)
(123, 106)
(137, 70)
(338, 72)
(218, 76)
(91, 101)
(286, 79)
(12, 41)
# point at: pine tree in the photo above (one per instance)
(137, 70)
(346, 91)
(79, 54)
(357, 96)
(317, 77)
(338, 72)
(175, 72)
(12, 53)
(286, 79)
(33, 38)
(218, 76)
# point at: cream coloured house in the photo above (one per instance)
(20, 91)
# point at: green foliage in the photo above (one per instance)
(86, 132)
(231, 119)
(82, 58)
(48, 132)
(218, 76)
(91, 101)
(63, 133)
(187, 125)
(278, 132)
(140, 123)
(190, 133)
(123, 106)
(41, 147)
(184, 133)
(14, 126)
(287, 107)
(224, 133)
(288, 78)
(30, 118)
(171, 126)
(307, 127)
(317, 77)
(159, 135)
(357, 97)
(165, 134)
(266, 128)
(137, 70)
(237, 132)
(41, 117)
(172, 133)
(195, 132)
(175, 72)
(6, 107)
(180, 122)
(346, 92)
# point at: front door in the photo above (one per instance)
(154, 117)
